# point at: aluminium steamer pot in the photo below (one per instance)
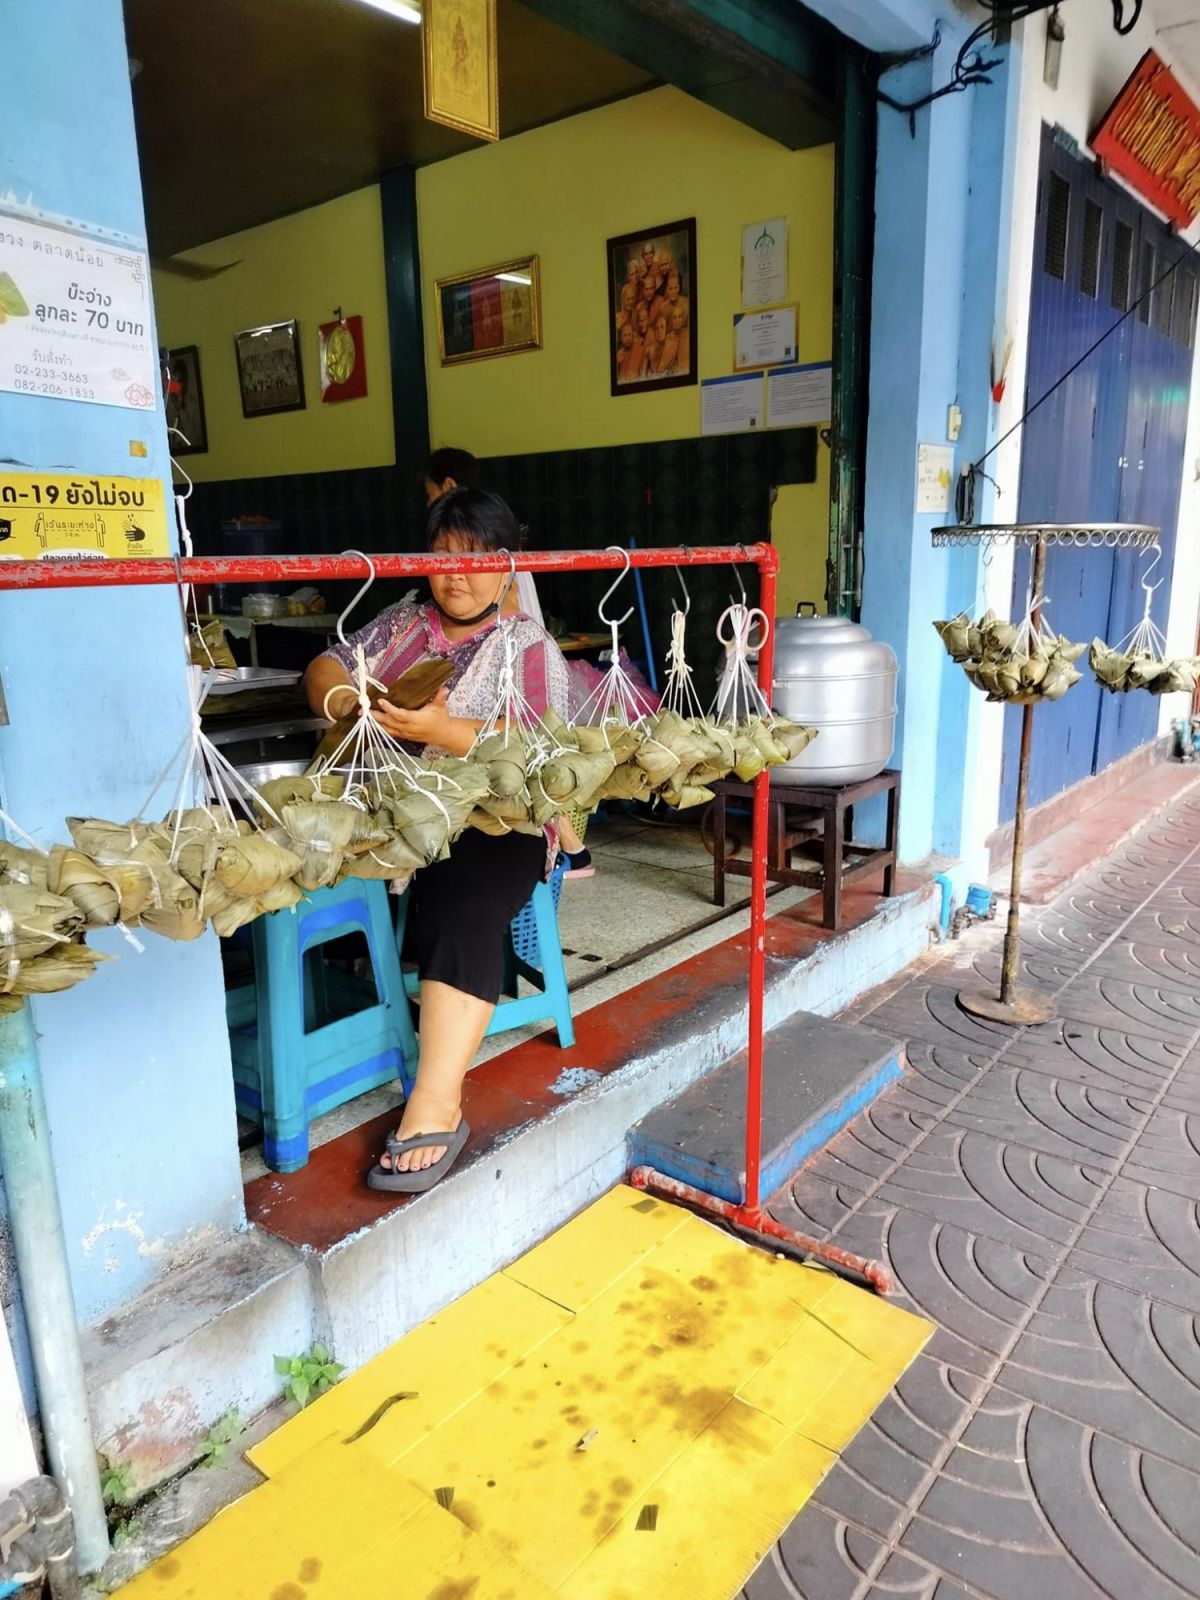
(830, 674)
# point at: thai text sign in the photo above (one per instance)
(57, 515)
(1150, 136)
(75, 321)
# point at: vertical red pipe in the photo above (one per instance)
(768, 566)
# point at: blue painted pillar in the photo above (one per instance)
(135, 1060)
(930, 319)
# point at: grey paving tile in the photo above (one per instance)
(1140, 1008)
(1034, 1504)
(1036, 1194)
(930, 1011)
(1167, 1154)
(886, 1467)
(818, 1558)
(1099, 1058)
(1146, 1240)
(1058, 1117)
(1052, 931)
(1167, 926)
(975, 1289)
(1172, 964)
(1116, 1362)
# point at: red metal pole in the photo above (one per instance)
(756, 1221)
(302, 569)
(768, 567)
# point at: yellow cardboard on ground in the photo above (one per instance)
(320, 1531)
(444, 1362)
(700, 1376)
(573, 1265)
(710, 1518)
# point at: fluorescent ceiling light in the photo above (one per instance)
(396, 8)
(515, 277)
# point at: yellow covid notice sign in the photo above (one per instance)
(63, 515)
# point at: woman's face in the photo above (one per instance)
(464, 594)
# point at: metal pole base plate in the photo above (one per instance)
(1022, 1009)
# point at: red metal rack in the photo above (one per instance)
(204, 571)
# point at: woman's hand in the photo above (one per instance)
(432, 724)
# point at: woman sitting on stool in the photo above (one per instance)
(459, 908)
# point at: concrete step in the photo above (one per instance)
(200, 1343)
(817, 1074)
(329, 1259)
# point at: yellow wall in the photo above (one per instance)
(302, 266)
(560, 192)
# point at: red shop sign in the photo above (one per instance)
(1150, 136)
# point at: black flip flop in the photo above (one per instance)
(417, 1182)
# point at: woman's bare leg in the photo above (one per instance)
(452, 1028)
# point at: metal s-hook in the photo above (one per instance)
(181, 470)
(740, 584)
(1145, 576)
(615, 622)
(509, 583)
(687, 599)
(341, 621)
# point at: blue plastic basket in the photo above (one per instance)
(524, 926)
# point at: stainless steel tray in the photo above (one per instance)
(233, 680)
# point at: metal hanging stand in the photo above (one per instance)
(1015, 1005)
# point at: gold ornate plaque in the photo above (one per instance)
(459, 38)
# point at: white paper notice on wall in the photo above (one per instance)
(935, 474)
(75, 319)
(765, 262)
(731, 405)
(800, 396)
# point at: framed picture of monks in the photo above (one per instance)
(495, 312)
(652, 308)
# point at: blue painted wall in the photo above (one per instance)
(924, 206)
(135, 1060)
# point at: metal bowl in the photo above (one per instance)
(261, 772)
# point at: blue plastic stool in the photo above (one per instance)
(533, 951)
(284, 1076)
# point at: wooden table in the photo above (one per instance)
(828, 817)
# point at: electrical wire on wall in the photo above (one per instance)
(971, 65)
(964, 494)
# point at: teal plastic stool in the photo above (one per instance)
(284, 1075)
(533, 951)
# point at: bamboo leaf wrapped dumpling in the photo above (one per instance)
(137, 870)
(573, 778)
(320, 832)
(33, 921)
(59, 969)
(18, 865)
(77, 878)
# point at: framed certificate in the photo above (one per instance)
(764, 338)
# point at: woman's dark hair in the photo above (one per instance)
(458, 465)
(473, 517)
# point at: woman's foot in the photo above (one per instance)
(579, 863)
(423, 1113)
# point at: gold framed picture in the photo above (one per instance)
(496, 312)
(459, 46)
